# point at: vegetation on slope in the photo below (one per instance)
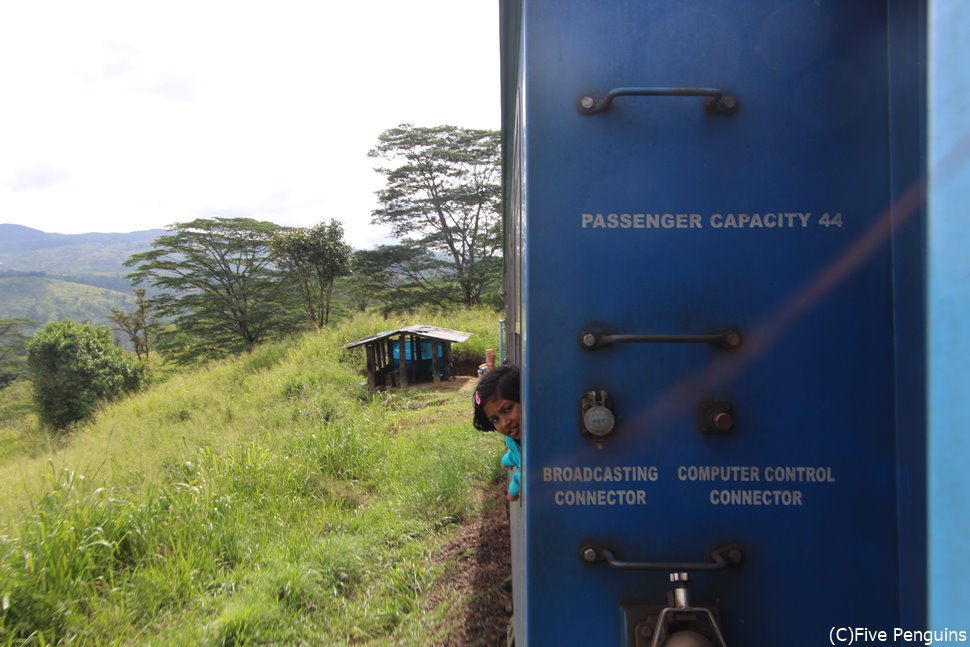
(43, 299)
(264, 500)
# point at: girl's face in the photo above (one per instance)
(505, 416)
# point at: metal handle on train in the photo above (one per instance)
(721, 558)
(717, 100)
(590, 339)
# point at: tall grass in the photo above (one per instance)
(266, 500)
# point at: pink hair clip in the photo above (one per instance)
(478, 398)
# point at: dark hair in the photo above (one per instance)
(503, 381)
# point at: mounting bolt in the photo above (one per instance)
(726, 104)
(587, 103)
(723, 420)
(732, 340)
(716, 417)
(590, 555)
(589, 340)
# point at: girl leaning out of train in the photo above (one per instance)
(497, 408)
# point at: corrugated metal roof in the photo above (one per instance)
(421, 330)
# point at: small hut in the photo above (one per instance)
(411, 355)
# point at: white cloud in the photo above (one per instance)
(141, 114)
(40, 175)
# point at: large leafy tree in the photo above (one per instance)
(218, 287)
(405, 277)
(443, 198)
(13, 348)
(313, 258)
(74, 367)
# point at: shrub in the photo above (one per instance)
(74, 366)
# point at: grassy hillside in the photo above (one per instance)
(265, 500)
(46, 299)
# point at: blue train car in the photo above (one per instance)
(716, 284)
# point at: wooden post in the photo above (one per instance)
(413, 370)
(434, 360)
(402, 366)
(371, 367)
(387, 349)
(379, 361)
(416, 341)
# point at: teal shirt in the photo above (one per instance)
(513, 460)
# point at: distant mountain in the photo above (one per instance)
(46, 277)
(29, 250)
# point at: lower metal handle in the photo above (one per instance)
(721, 558)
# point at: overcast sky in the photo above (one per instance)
(129, 115)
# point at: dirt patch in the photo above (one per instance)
(460, 383)
(468, 366)
(479, 571)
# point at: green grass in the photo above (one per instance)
(265, 500)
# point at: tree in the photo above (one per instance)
(13, 348)
(404, 276)
(443, 196)
(138, 325)
(219, 290)
(74, 367)
(313, 259)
